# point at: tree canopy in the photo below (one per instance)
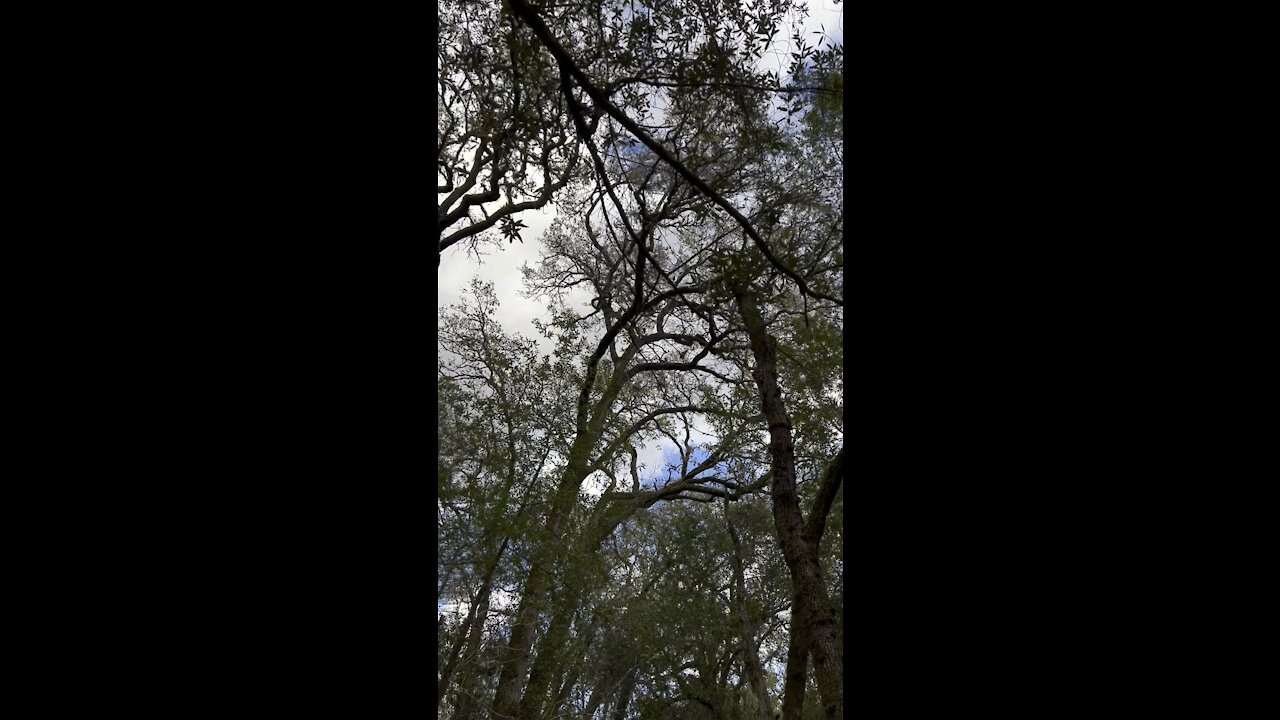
(698, 197)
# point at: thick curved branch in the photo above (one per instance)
(681, 338)
(655, 366)
(543, 198)
(477, 164)
(817, 522)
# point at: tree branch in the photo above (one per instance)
(601, 100)
(817, 523)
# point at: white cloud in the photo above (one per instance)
(653, 457)
(501, 266)
(825, 17)
(595, 485)
(499, 599)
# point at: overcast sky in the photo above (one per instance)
(501, 266)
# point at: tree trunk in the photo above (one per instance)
(465, 705)
(551, 647)
(482, 598)
(800, 553)
(621, 657)
(750, 655)
(514, 656)
(568, 682)
(795, 684)
(620, 713)
(550, 658)
(568, 678)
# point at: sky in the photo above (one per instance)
(501, 266)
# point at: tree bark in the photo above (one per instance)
(514, 655)
(551, 653)
(482, 598)
(465, 706)
(620, 713)
(750, 655)
(621, 658)
(794, 686)
(548, 662)
(567, 684)
(811, 606)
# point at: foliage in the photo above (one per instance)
(573, 580)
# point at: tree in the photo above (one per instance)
(710, 237)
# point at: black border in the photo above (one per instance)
(259, 335)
